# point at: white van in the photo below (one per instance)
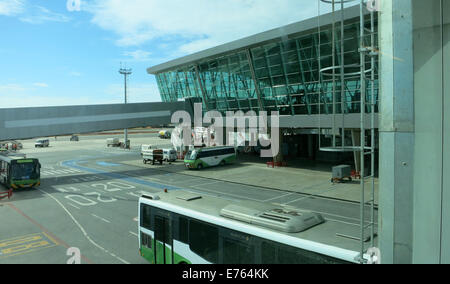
(42, 143)
(170, 155)
(145, 148)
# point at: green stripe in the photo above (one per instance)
(148, 255)
(24, 161)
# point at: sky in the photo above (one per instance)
(68, 52)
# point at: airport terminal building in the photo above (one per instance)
(279, 70)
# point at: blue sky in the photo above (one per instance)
(52, 54)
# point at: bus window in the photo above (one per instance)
(204, 240)
(146, 216)
(25, 171)
(183, 230)
(236, 253)
(290, 255)
(146, 240)
(162, 230)
(268, 253)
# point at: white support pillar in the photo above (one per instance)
(396, 131)
(431, 219)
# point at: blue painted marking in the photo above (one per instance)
(106, 164)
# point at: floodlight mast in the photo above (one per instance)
(125, 72)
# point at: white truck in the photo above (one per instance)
(114, 142)
(151, 155)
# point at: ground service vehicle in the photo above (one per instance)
(42, 143)
(181, 227)
(164, 134)
(112, 142)
(19, 172)
(209, 157)
(170, 155)
(11, 145)
(145, 148)
(153, 156)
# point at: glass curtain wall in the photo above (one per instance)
(286, 73)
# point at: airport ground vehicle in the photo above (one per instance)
(19, 172)
(164, 134)
(112, 142)
(170, 155)
(11, 145)
(153, 155)
(181, 227)
(42, 143)
(200, 158)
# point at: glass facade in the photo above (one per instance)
(283, 75)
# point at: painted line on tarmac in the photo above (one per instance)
(25, 245)
(83, 231)
(46, 232)
(73, 164)
(100, 218)
(223, 195)
(231, 196)
(74, 206)
(278, 197)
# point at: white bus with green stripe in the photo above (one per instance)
(209, 157)
(180, 227)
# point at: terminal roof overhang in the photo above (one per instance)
(285, 32)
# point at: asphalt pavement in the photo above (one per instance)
(88, 200)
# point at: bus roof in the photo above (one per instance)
(321, 237)
(11, 158)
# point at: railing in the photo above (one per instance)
(8, 194)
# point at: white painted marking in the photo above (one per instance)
(103, 219)
(207, 183)
(83, 231)
(223, 194)
(87, 202)
(278, 197)
(134, 234)
(74, 206)
(133, 194)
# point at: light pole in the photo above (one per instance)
(125, 72)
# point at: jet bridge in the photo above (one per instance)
(28, 123)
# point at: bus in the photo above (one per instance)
(200, 158)
(180, 227)
(19, 172)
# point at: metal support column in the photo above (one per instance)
(255, 81)
(202, 88)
